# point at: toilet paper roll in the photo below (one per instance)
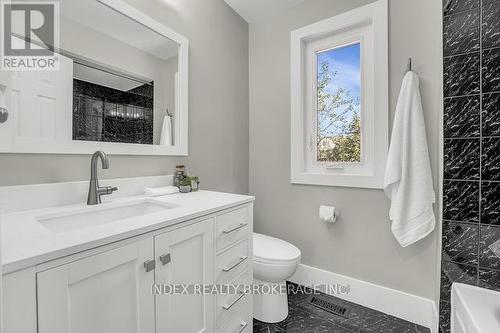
(328, 214)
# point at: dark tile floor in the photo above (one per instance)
(304, 317)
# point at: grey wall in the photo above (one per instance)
(360, 245)
(218, 107)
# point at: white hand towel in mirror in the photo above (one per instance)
(408, 177)
(166, 131)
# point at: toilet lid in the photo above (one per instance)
(270, 249)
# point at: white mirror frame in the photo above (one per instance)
(9, 143)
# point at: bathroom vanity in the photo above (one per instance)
(69, 267)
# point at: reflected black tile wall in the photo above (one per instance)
(489, 279)
(471, 189)
(489, 236)
(453, 272)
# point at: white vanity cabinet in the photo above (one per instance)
(111, 289)
(107, 292)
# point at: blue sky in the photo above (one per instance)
(346, 61)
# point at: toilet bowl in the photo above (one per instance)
(274, 261)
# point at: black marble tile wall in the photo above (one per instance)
(461, 32)
(461, 200)
(471, 189)
(455, 6)
(490, 203)
(491, 25)
(462, 117)
(105, 114)
(491, 70)
(461, 159)
(460, 242)
(462, 75)
(490, 115)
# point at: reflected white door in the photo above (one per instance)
(106, 293)
(41, 102)
(6, 128)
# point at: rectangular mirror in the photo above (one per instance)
(120, 86)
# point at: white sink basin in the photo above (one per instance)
(93, 216)
(474, 310)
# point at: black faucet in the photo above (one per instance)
(95, 191)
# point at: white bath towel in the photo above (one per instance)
(408, 176)
(159, 191)
(166, 131)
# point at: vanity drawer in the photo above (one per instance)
(238, 325)
(232, 227)
(232, 262)
(233, 309)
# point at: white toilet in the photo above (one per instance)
(274, 261)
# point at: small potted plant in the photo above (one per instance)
(185, 185)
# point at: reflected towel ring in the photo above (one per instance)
(171, 115)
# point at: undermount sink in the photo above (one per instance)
(93, 216)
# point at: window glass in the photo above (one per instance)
(338, 105)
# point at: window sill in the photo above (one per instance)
(338, 179)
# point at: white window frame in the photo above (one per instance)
(367, 25)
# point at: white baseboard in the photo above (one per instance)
(416, 309)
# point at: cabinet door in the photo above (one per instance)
(188, 257)
(19, 302)
(106, 293)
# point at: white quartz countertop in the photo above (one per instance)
(27, 242)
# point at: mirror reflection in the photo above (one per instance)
(117, 82)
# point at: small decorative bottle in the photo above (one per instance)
(180, 174)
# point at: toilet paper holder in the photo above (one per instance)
(328, 214)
